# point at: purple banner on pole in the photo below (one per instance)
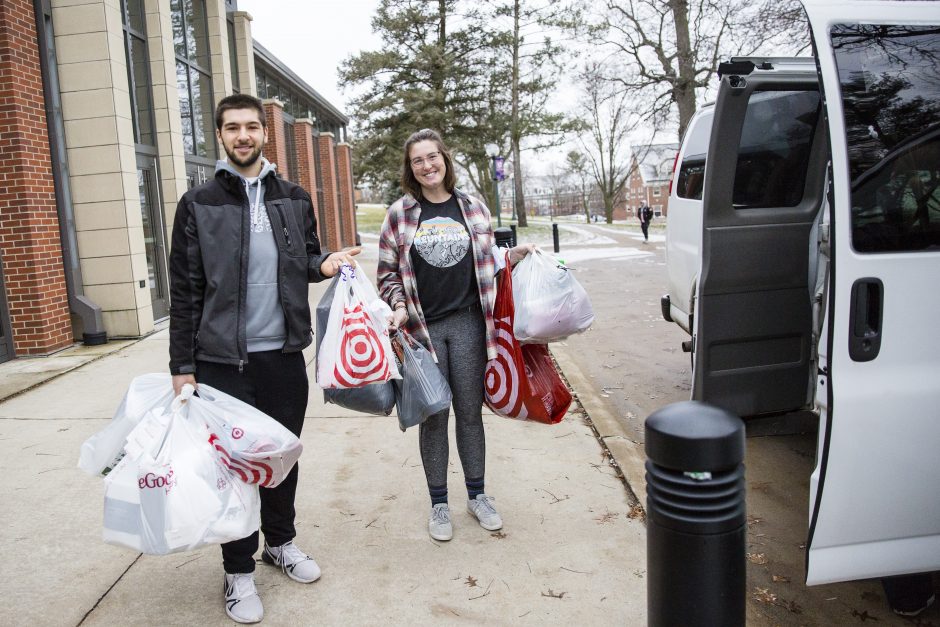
(498, 165)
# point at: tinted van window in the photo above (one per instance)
(890, 81)
(775, 148)
(691, 178)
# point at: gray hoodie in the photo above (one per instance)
(264, 324)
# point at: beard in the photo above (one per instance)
(247, 161)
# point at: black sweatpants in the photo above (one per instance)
(276, 383)
(646, 229)
(460, 343)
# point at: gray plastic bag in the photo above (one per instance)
(376, 398)
(422, 390)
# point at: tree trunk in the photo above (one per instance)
(684, 87)
(515, 133)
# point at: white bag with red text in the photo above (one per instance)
(355, 349)
(171, 492)
(255, 446)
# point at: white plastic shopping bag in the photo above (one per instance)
(355, 348)
(171, 492)
(102, 451)
(550, 303)
(254, 446)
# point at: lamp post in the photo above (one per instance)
(492, 151)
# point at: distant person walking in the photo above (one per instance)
(645, 214)
(438, 242)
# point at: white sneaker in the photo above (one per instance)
(439, 525)
(295, 563)
(482, 507)
(242, 603)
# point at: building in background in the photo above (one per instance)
(106, 118)
(650, 173)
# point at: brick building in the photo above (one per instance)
(650, 172)
(106, 118)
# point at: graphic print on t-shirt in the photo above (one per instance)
(442, 242)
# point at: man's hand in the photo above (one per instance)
(399, 318)
(335, 261)
(179, 380)
(518, 253)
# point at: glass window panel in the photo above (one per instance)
(271, 87)
(186, 114)
(143, 113)
(203, 123)
(134, 15)
(233, 56)
(890, 83)
(260, 85)
(773, 156)
(176, 16)
(197, 35)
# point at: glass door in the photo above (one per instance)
(154, 235)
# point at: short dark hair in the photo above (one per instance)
(409, 183)
(239, 101)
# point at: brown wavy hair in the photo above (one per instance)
(409, 183)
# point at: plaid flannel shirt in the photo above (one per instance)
(396, 278)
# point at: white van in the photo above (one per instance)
(813, 271)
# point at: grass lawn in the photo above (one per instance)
(369, 220)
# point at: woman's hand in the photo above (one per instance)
(518, 253)
(399, 318)
(335, 261)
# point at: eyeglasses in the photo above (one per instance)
(432, 158)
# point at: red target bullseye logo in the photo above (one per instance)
(502, 379)
(237, 433)
(362, 358)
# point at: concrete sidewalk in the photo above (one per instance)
(569, 552)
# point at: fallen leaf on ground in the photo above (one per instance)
(764, 595)
(471, 581)
(499, 535)
(781, 579)
(636, 512)
(863, 616)
(555, 595)
(757, 558)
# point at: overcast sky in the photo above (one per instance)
(312, 37)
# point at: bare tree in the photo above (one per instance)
(672, 47)
(579, 169)
(610, 118)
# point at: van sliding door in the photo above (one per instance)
(763, 189)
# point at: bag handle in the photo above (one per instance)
(185, 394)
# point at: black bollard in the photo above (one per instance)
(555, 236)
(504, 237)
(696, 516)
(515, 234)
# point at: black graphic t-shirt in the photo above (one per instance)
(442, 258)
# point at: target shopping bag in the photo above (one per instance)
(521, 382)
(355, 348)
(171, 491)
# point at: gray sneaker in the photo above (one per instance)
(439, 524)
(482, 507)
(242, 603)
(295, 563)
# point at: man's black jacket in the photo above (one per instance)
(209, 269)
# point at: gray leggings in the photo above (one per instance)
(460, 343)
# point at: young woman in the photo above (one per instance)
(437, 262)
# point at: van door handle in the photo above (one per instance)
(865, 320)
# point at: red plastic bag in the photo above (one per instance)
(521, 382)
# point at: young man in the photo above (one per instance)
(244, 249)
